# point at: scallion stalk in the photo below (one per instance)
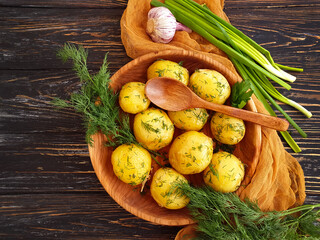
(285, 134)
(275, 93)
(254, 76)
(197, 25)
(289, 68)
(202, 15)
(239, 34)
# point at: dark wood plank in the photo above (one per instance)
(75, 216)
(31, 37)
(269, 4)
(122, 3)
(65, 4)
(289, 36)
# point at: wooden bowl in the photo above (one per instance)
(129, 197)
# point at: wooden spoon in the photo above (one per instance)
(172, 95)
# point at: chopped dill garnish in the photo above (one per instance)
(147, 126)
(95, 100)
(161, 72)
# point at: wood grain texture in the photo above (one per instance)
(122, 3)
(47, 185)
(73, 216)
(35, 39)
(65, 4)
(30, 38)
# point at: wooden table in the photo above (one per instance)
(48, 187)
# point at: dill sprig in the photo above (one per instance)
(225, 216)
(95, 100)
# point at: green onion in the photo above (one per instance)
(287, 137)
(189, 5)
(254, 76)
(289, 68)
(275, 93)
(204, 29)
(253, 62)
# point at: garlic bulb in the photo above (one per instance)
(162, 25)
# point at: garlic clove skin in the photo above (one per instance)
(161, 25)
(181, 27)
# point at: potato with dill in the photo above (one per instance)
(210, 85)
(153, 128)
(166, 68)
(164, 189)
(226, 129)
(131, 163)
(224, 173)
(132, 98)
(191, 152)
(189, 119)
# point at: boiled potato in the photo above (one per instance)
(132, 98)
(131, 163)
(210, 85)
(153, 128)
(190, 119)
(225, 172)
(163, 187)
(166, 68)
(191, 152)
(226, 129)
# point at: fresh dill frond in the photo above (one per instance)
(60, 103)
(240, 94)
(225, 216)
(79, 57)
(95, 100)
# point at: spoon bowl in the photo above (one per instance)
(173, 95)
(159, 91)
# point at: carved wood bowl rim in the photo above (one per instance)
(145, 207)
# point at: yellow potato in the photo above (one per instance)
(163, 189)
(226, 129)
(225, 172)
(132, 98)
(153, 128)
(210, 85)
(191, 152)
(166, 68)
(131, 163)
(190, 119)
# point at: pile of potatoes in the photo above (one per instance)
(191, 151)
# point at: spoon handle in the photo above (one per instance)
(254, 117)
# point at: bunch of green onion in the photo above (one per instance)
(253, 62)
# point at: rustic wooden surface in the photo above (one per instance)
(47, 185)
